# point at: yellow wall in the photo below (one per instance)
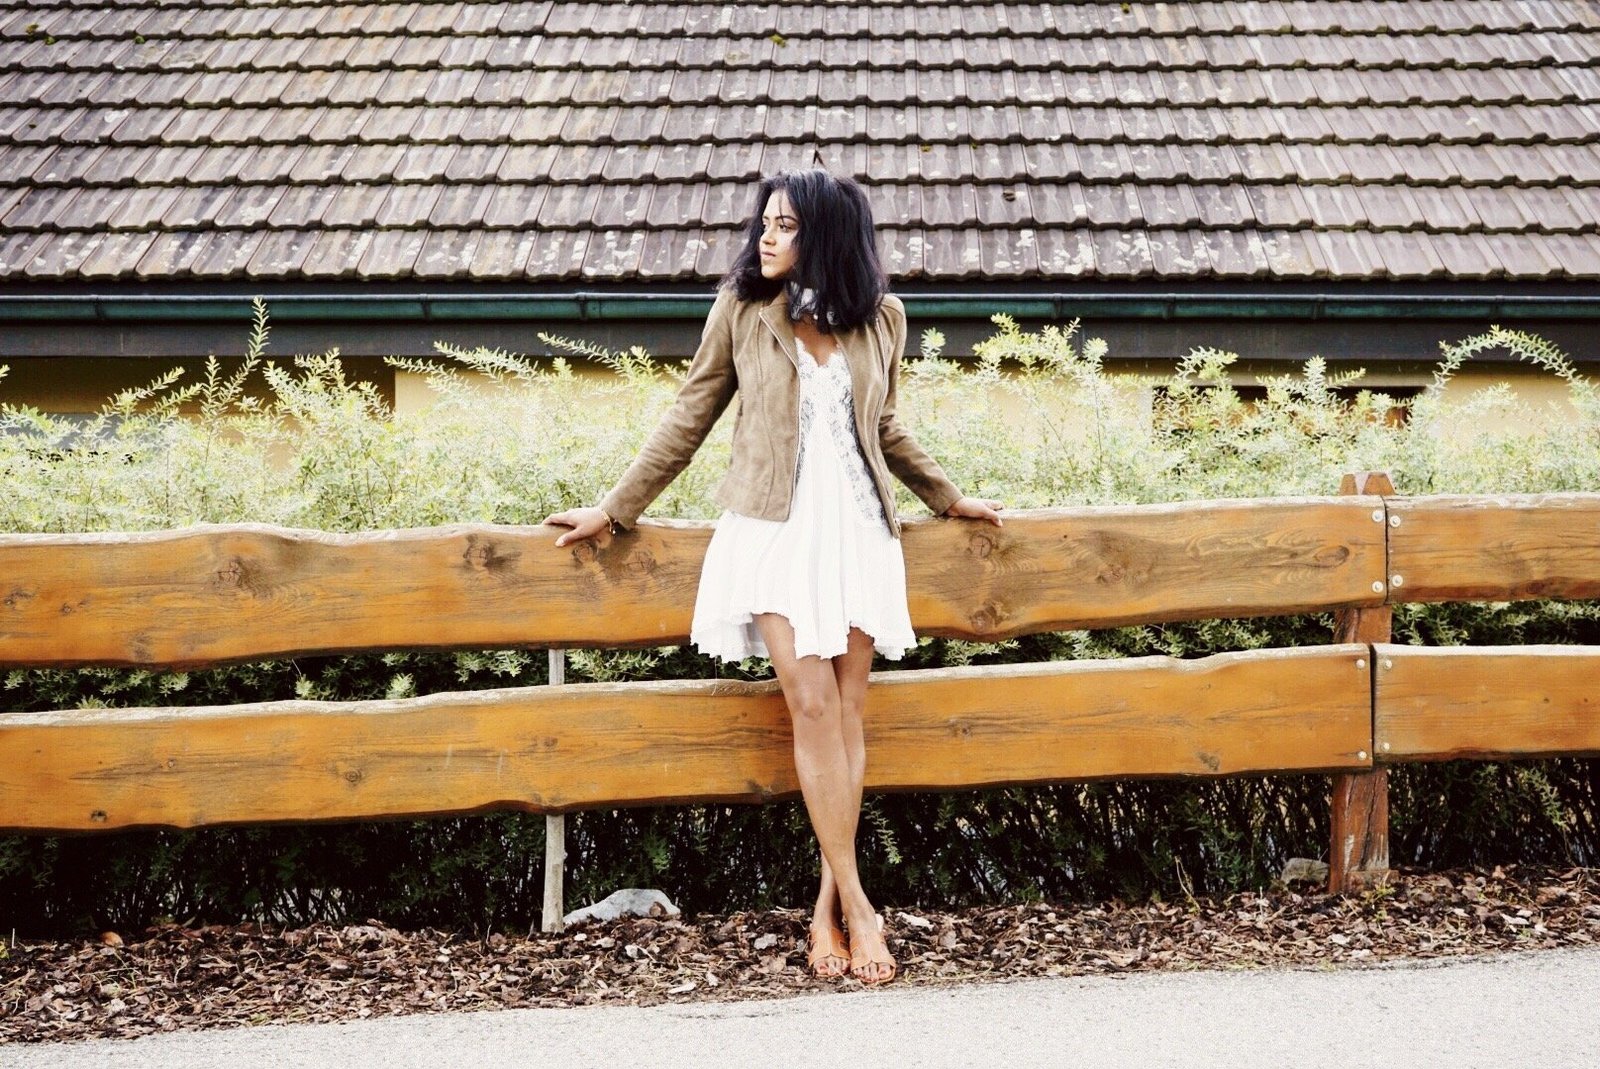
(81, 385)
(1532, 388)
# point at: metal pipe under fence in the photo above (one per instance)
(555, 833)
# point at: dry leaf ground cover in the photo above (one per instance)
(175, 977)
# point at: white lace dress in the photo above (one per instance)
(831, 565)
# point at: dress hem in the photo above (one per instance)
(889, 649)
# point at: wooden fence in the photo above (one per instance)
(217, 594)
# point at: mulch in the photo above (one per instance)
(174, 977)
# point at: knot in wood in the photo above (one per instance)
(239, 574)
(98, 816)
(641, 562)
(985, 618)
(353, 776)
(585, 552)
(980, 545)
(483, 554)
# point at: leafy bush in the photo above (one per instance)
(1035, 419)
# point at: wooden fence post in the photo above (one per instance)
(1358, 856)
(555, 835)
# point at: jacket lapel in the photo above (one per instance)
(776, 316)
(855, 346)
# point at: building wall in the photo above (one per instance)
(81, 385)
(1539, 390)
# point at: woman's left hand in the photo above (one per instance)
(977, 508)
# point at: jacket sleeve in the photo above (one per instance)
(909, 462)
(704, 395)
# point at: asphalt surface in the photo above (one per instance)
(1532, 1009)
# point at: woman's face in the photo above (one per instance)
(779, 225)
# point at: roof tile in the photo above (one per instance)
(999, 163)
(954, 253)
(196, 207)
(515, 206)
(447, 253)
(495, 254)
(117, 255)
(250, 206)
(282, 253)
(1011, 253)
(19, 249)
(613, 254)
(393, 253)
(1168, 206)
(58, 256)
(355, 206)
(1066, 253)
(1464, 256)
(407, 206)
(461, 204)
(558, 253)
(1177, 254)
(901, 251)
(35, 208)
(338, 253)
(1408, 255)
(1121, 253)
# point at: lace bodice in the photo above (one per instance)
(827, 404)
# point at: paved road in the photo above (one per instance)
(1534, 1009)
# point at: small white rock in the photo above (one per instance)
(628, 902)
(916, 922)
(764, 942)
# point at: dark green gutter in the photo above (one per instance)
(580, 306)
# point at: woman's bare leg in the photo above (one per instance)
(830, 766)
(850, 672)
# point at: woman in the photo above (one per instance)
(805, 565)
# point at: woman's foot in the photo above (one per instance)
(870, 960)
(828, 956)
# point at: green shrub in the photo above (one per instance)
(1035, 419)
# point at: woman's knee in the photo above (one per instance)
(815, 705)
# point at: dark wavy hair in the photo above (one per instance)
(837, 250)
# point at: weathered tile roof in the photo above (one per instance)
(596, 142)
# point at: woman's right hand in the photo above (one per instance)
(585, 523)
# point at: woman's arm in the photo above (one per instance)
(704, 395)
(909, 462)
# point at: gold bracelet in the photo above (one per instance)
(611, 525)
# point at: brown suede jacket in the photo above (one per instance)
(748, 347)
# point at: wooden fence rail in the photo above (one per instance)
(554, 749)
(212, 595)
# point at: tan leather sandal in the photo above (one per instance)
(836, 947)
(860, 961)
